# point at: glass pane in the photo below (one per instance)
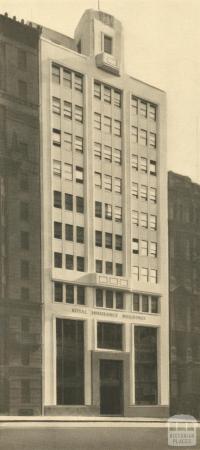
(146, 386)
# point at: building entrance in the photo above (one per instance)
(111, 387)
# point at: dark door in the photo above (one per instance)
(111, 387)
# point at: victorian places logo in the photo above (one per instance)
(182, 431)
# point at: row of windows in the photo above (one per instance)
(143, 108)
(69, 141)
(69, 202)
(108, 182)
(142, 164)
(108, 153)
(142, 137)
(108, 240)
(145, 303)
(145, 220)
(69, 262)
(67, 169)
(109, 299)
(70, 79)
(107, 267)
(72, 294)
(144, 248)
(69, 232)
(69, 110)
(108, 94)
(145, 192)
(107, 124)
(145, 274)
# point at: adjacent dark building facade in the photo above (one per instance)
(184, 273)
(20, 292)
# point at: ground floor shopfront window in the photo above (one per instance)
(146, 385)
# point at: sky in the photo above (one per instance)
(162, 48)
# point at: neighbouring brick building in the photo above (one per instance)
(184, 276)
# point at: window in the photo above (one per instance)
(24, 183)
(80, 264)
(119, 300)
(108, 240)
(99, 266)
(152, 195)
(56, 107)
(134, 162)
(22, 59)
(68, 141)
(69, 202)
(134, 189)
(153, 249)
(118, 185)
(109, 267)
(143, 137)
(58, 230)
(68, 171)
(108, 153)
(97, 90)
(69, 262)
(119, 270)
(118, 214)
(153, 276)
(135, 273)
(98, 180)
(134, 134)
(80, 205)
(58, 260)
(56, 137)
(25, 391)
(80, 295)
(117, 99)
(153, 222)
(107, 44)
(134, 105)
(143, 165)
(135, 218)
(24, 211)
(80, 234)
(152, 112)
(109, 299)
(98, 238)
(97, 121)
(97, 150)
(69, 293)
(109, 335)
(154, 305)
(58, 292)
(99, 298)
(24, 240)
(144, 248)
(143, 109)
(118, 242)
(143, 192)
(144, 274)
(57, 168)
(146, 357)
(107, 183)
(98, 209)
(22, 89)
(23, 146)
(117, 128)
(135, 246)
(117, 156)
(78, 113)
(79, 144)
(69, 235)
(152, 140)
(136, 302)
(67, 78)
(145, 303)
(144, 220)
(78, 82)
(67, 108)
(107, 94)
(108, 211)
(152, 167)
(79, 174)
(57, 199)
(55, 74)
(107, 124)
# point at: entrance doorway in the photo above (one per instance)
(111, 387)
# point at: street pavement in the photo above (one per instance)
(66, 436)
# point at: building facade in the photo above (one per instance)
(20, 249)
(97, 169)
(184, 275)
